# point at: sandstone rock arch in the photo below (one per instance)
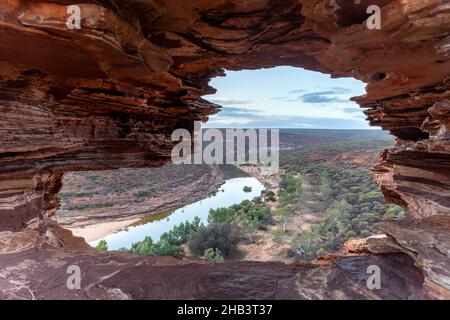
(109, 95)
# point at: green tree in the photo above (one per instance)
(306, 244)
(222, 215)
(258, 200)
(250, 225)
(285, 198)
(181, 233)
(213, 255)
(350, 234)
(223, 237)
(394, 212)
(286, 214)
(270, 196)
(102, 245)
(149, 248)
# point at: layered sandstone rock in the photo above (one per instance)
(32, 274)
(110, 94)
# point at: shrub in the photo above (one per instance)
(247, 189)
(285, 213)
(181, 233)
(250, 226)
(221, 215)
(270, 196)
(169, 243)
(278, 236)
(213, 255)
(258, 200)
(365, 233)
(394, 212)
(246, 210)
(223, 237)
(306, 244)
(321, 252)
(165, 248)
(350, 234)
(260, 214)
(148, 248)
(102, 245)
(108, 204)
(143, 194)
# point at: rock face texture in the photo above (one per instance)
(110, 94)
(123, 276)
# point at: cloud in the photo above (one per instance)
(352, 110)
(228, 102)
(339, 90)
(231, 117)
(327, 95)
(296, 91)
(321, 97)
(233, 112)
(279, 98)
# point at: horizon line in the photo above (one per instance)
(294, 128)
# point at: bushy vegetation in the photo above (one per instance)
(89, 206)
(222, 215)
(143, 194)
(322, 179)
(345, 190)
(149, 248)
(269, 196)
(213, 242)
(250, 215)
(217, 236)
(247, 189)
(298, 159)
(394, 212)
(181, 233)
(278, 236)
(102, 245)
(213, 255)
(289, 197)
(170, 242)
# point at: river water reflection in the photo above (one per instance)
(231, 192)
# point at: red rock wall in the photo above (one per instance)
(109, 95)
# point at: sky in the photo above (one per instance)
(286, 97)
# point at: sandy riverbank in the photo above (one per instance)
(100, 230)
(96, 223)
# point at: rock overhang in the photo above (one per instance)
(109, 94)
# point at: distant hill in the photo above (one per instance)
(300, 138)
(296, 138)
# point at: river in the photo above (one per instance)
(231, 192)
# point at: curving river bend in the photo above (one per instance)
(231, 192)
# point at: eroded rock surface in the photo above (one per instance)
(41, 274)
(110, 94)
